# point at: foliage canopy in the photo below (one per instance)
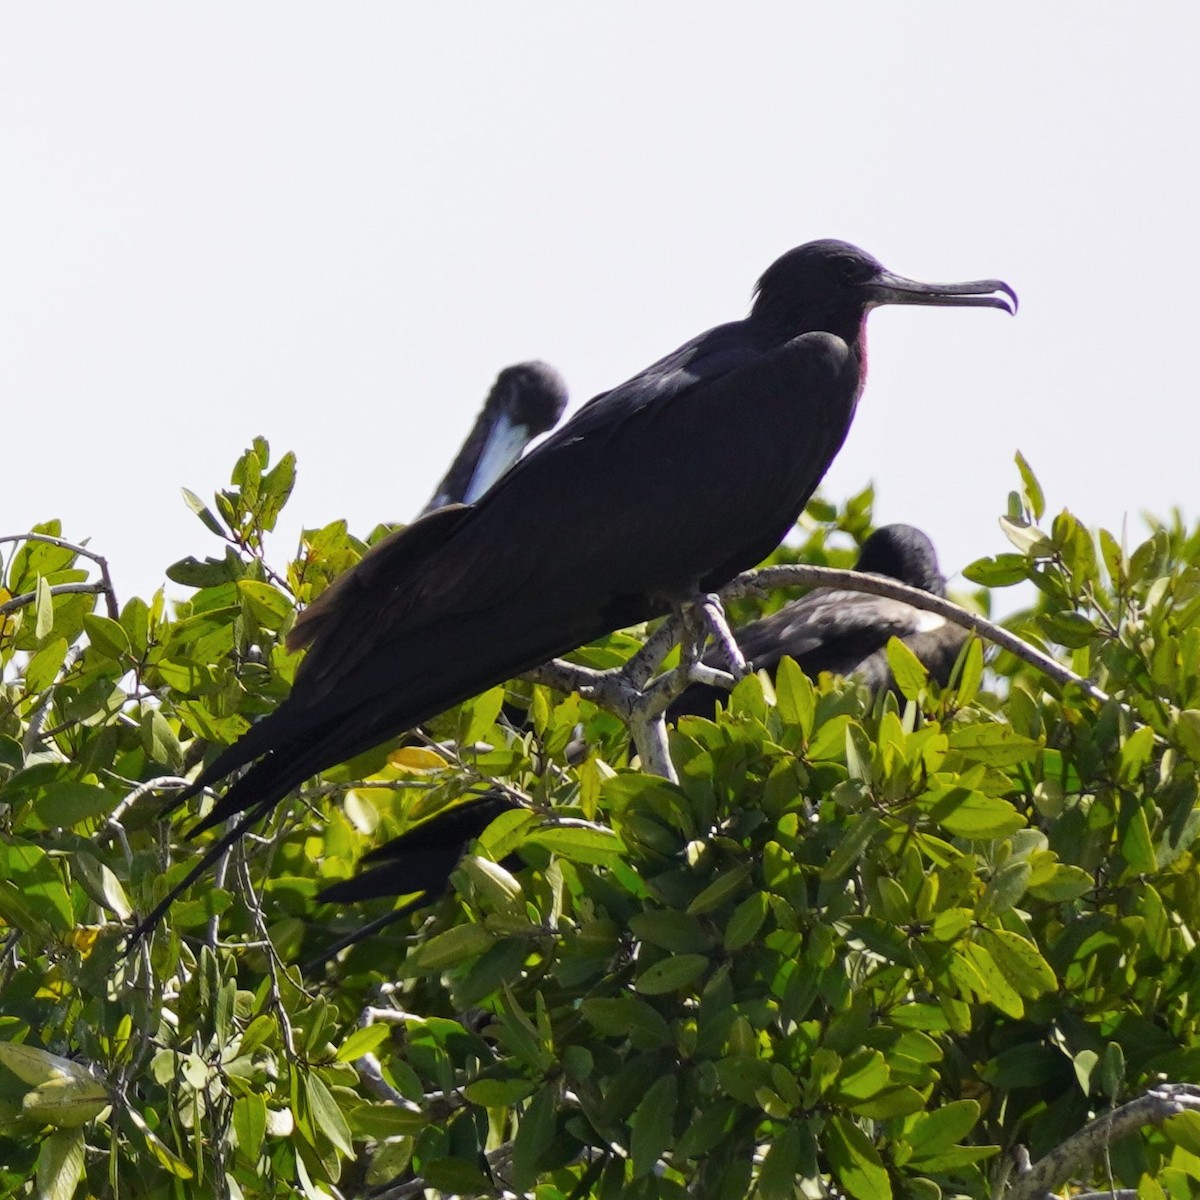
(867, 945)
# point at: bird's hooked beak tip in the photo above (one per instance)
(978, 293)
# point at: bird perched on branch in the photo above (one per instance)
(653, 493)
(846, 633)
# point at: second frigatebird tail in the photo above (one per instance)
(526, 400)
(666, 486)
(846, 633)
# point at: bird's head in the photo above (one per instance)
(830, 286)
(902, 552)
(531, 394)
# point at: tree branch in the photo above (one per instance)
(59, 589)
(1074, 1155)
(767, 579)
(632, 693)
(106, 584)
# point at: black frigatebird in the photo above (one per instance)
(846, 633)
(526, 400)
(657, 491)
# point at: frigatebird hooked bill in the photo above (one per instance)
(659, 490)
(846, 633)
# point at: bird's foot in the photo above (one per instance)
(713, 615)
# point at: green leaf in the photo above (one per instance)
(627, 1016)
(202, 511)
(250, 1124)
(746, 921)
(106, 635)
(794, 696)
(1085, 1063)
(1184, 1130)
(43, 610)
(862, 1076)
(1004, 889)
(60, 1164)
(32, 895)
(860, 830)
(1137, 845)
(1187, 732)
(498, 1093)
(363, 1041)
(159, 740)
(1032, 489)
(1020, 961)
(972, 672)
(267, 605)
(1001, 571)
(1068, 629)
(101, 885)
(777, 1177)
(329, 1117)
(907, 669)
(972, 814)
(534, 1135)
(994, 744)
(44, 665)
(66, 803)
(456, 945)
(676, 931)
(671, 974)
(651, 1127)
(855, 1161)
(1028, 539)
(590, 844)
(943, 1127)
(166, 1157)
(723, 889)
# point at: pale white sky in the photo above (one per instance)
(333, 224)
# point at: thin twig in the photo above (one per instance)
(106, 584)
(59, 589)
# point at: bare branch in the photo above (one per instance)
(59, 589)
(1073, 1156)
(767, 579)
(106, 584)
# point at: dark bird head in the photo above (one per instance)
(830, 286)
(532, 394)
(526, 399)
(904, 553)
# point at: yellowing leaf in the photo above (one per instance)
(417, 758)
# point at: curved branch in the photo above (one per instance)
(767, 579)
(106, 583)
(59, 589)
(634, 694)
(1074, 1155)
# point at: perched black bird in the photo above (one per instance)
(665, 487)
(847, 633)
(526, 399)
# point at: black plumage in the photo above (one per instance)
(668, 485)
(846, 633)
(421, 859)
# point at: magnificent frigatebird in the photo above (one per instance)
(657, 491)
(846, 633)
(526, 399)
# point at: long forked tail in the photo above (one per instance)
(149, 922)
